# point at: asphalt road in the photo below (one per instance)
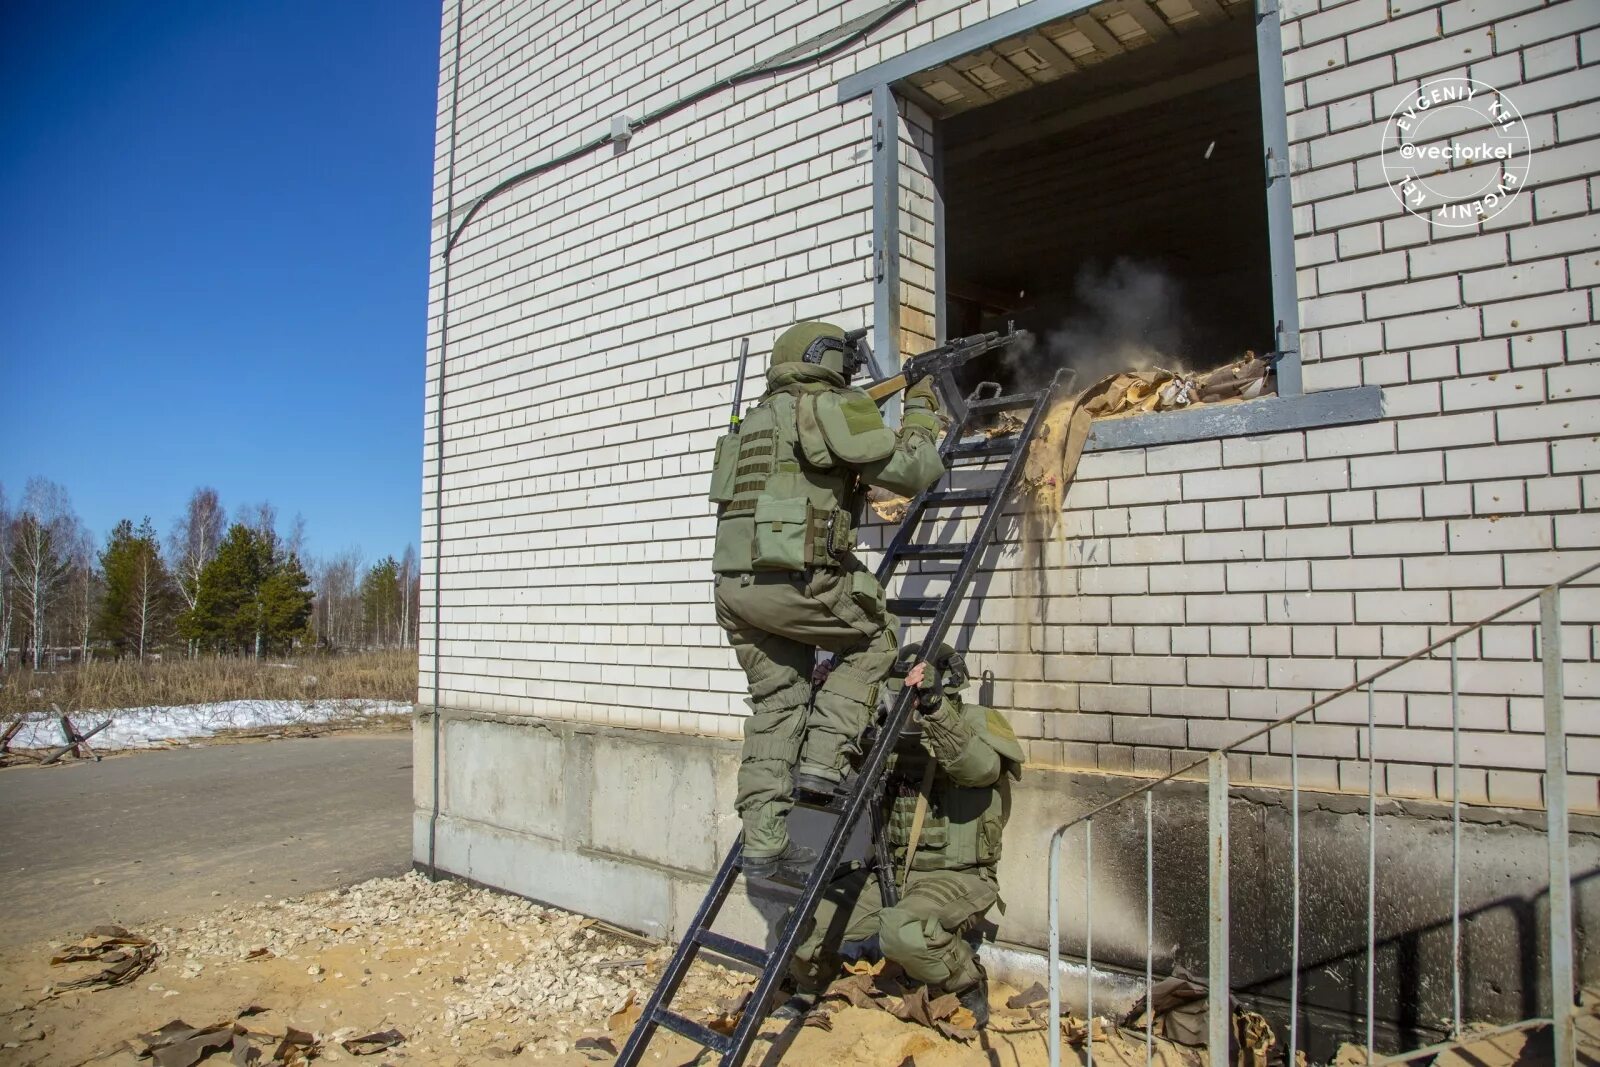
(175, 832)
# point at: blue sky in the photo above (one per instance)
(215, 264)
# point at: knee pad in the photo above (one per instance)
(765, 700)
(848, 686)
(925, 949)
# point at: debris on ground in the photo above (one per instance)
(122, 957)
(543, 963)
(408, 971)
(177, 1044)
(367, 1044)
(1179, 1008)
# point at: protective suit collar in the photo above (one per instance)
(802, 373)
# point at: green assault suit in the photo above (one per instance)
(789, 483)
(952, 880)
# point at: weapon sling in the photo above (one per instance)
(921, 814)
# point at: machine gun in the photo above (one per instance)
(937, 362)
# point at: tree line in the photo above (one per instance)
(216, 584)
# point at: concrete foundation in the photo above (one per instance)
(628, 826)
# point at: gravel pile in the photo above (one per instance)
(479, 955)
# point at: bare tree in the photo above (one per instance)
(193, 543)
(84, 586)
(149, 591)
(408, 594)
(7, 601)
(294, 542)
(262, 518)
(43, 545)
(338, 608)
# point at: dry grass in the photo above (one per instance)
(386, 675)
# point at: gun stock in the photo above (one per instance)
(884, 388)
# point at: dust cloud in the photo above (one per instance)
(1126, 317)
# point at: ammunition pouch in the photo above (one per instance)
(724, 468)
(868, 594)
(791, 535)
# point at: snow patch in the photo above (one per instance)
(148, 727)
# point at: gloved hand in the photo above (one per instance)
(925, 680)
(921, 395)
(921, 411)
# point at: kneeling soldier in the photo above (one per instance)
(946, 806)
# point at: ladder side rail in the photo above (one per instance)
(682, 956)
(821, 877)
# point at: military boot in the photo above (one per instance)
(975, 998)
(790, 867)
(796, 1007)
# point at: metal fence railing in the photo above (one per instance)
(1560, 961)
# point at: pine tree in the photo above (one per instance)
(224, 614)
(136, 609)
(380, 602)
(285, 605)
(251, 598)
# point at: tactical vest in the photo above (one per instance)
(776, 511)
(962, 827)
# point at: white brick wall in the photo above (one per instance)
(1201, 588)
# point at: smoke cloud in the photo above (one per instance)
(1128, 316)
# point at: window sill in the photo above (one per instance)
(1270, 414)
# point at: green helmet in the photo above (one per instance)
(821, 343)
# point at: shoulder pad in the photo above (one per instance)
(997, 733)
(813, 442)
(853, 427)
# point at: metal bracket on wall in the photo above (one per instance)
(1277, 167)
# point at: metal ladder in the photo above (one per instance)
(846, 809)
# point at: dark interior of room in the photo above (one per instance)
(1119, 213)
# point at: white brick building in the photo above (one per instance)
(1433, 451)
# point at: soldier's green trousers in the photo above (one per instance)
(923, 933)
(776, 621)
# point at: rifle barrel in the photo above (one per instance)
(957, 351)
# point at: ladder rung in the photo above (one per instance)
(734, 950)
(833, 806)
(923, 607)
(983, 446)
(954, 498)
(1004, 403)
(933, 551)
(700, 1035)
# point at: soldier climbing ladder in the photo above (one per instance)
(847, 809)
